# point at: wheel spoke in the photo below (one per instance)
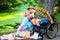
(50, 33)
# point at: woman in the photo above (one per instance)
(26, 24)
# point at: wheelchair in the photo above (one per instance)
(49, 29)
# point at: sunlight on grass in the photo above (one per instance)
(11, 16)
(14, 17)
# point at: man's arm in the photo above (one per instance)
(51, 20)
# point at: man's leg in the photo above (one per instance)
(35, 32)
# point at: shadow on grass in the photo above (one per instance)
(8, 28)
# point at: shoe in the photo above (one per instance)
(40, 38)
(34, 36)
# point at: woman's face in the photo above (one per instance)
(32, 11)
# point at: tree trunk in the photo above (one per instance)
(48, 5)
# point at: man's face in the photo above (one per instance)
(32, 14)
(33, 21)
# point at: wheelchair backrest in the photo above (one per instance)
(41, 13)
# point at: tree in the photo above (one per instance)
(48, 5)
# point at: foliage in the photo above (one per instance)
(8, 4)
(57, 2)
(57, 17)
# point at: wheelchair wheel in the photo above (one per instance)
(52, 31)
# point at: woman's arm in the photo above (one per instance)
(27, 14)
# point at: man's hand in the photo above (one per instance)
(38, 22)
(50, 17)
(52, 22)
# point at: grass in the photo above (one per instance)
(11, 19)
(7, 31)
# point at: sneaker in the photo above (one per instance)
(40, 37)
(34, 36)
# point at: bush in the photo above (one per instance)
(57, 17)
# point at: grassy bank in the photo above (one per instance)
(10, 22)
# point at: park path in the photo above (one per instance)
(10, 36)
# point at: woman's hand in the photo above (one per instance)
(25, 34)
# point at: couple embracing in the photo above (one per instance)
(31, 23)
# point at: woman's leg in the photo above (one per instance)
(18, 32)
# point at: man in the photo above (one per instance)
(42, 16)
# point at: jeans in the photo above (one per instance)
(38, 28)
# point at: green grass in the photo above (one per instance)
(7, 31)
(16, 15)
(10, 19)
